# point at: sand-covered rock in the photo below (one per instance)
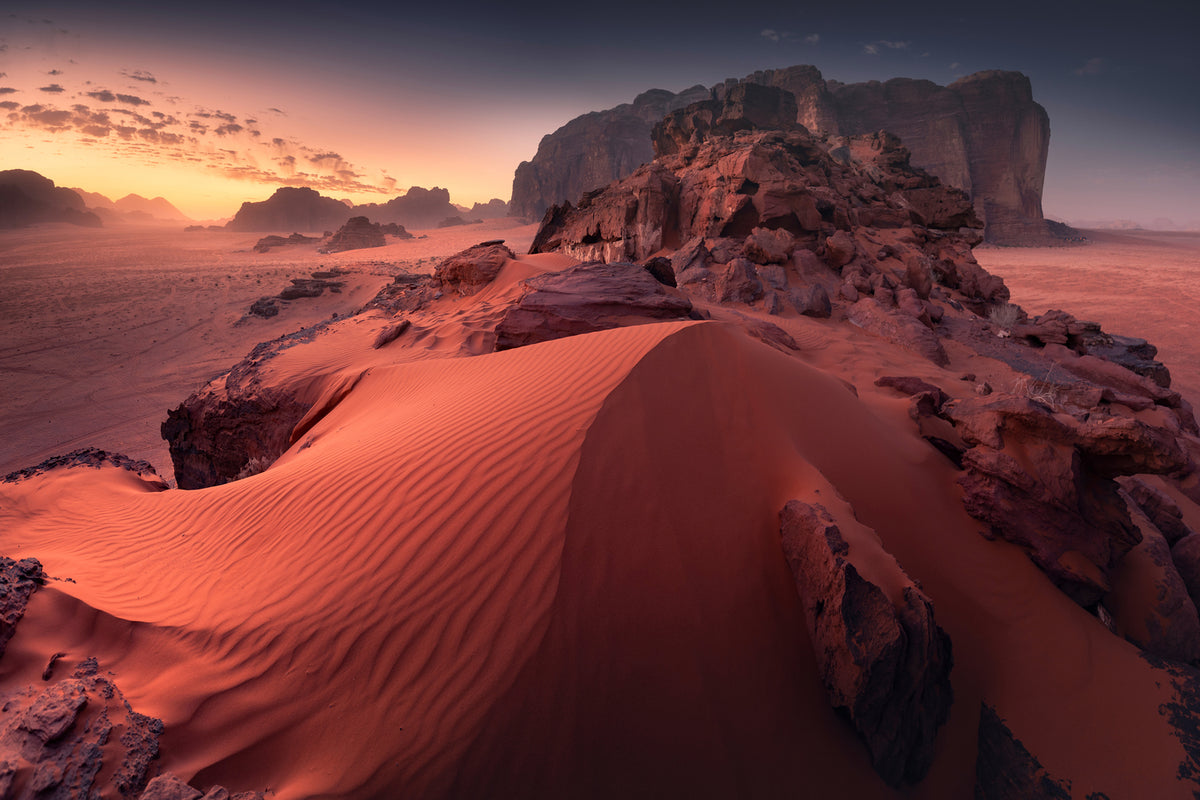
(472, 269)
(884, 662)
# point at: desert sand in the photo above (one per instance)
(102, 330)
(552, 571)
(1134, 283)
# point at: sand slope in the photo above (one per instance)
(555, 571)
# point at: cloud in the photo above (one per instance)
(954, 66)
(53, 88)
(7, 90)
(812, 38)
(55, 72)
(278, 111)
(10, 105)
(228, 128)
(872, 49)
(1093, 66)
(139, 75)
(103, 95)
(770, 34)
(132, 100)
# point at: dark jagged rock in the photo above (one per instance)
(18, 581)
(88, 457)
(265, 307)
(235, 421)
(1006, 770)
(586, 298)
(470, 270)
(265, 244)
(899, 329)
(358, 233)
(1044, 482)
(291, 208)
(888, 666)
(27, 198)
(1159, 508)
(746, 107)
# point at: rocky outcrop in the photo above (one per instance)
(57, 739)
(18, 581)
(265, 244)
(468, 271)
(27, 198)
(983, 134)
(492, 209)
(592, 151)
(587, 298)
(886, 665)
(87, 457)
(291, 209)
(358, 233)
(235, 425)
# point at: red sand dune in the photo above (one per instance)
(555, 571)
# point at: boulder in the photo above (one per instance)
(265, 244)
(470, 270)
(18, 581)
(887, 666)
(587, 298)
(738, 282)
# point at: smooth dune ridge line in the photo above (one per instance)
(336, 516)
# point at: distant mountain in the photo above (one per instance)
(27, 198)
(292, 208)
(302, 209)
(416, 208)
(132, 208)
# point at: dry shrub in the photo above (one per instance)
(1004, 316)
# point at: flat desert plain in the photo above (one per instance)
(101, 331)
(1135, 283)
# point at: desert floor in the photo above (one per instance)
(101, 331)
(1136, 283)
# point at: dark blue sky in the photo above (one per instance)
(1121, 81)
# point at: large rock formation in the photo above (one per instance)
(416, 208)
(358, 233)
(291, 209)
(27, 198)
(592, 150)
(983, 134)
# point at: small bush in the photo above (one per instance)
(1004, 316)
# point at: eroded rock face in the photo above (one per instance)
(358, 233)
(58, 737)
(1044, 481)
(470, 270)
(888, 666)
(593, 150)
(587, 298)
(983, 134)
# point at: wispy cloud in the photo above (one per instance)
(812, 38)
(139, 75)
(770, 34)
(1093, 66)
(776, 36)
(55, 72)
(873, 48)
(215, 140)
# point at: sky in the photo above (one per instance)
(213, 104)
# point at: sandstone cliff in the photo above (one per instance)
(983, 134)
(592, 150)
(291, 209)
